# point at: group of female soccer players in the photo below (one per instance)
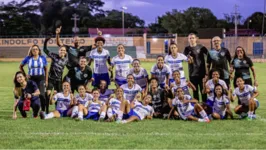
(165, 94)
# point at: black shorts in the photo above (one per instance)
(56, 85)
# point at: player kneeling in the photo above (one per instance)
(96, 108)
(219, 103)
(140, 111)
(246, 95)
(118, 107)
(81, 102)
(63, 106)
(188, 108)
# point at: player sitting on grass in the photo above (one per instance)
(140, 111)
(118, 106)
(63, 106)
(246, 95)
(96, 108)
(188, 108)
(178, 82)
(219, 103)
(81, 102)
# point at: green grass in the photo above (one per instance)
(64, 133)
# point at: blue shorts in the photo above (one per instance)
(63, 113)
(93, 115)
(120, 82)
(133, 113)
(99, 77)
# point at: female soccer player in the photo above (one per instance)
(25, 90)
(185, 85)
(130, 88)
(140, 111)
(140, 74)
(208, 87)
(219, 103)
(240, 65)
(117, 106)
(96, 108)
(37, 66)
(174, 61)
(161, 71)
(100, 56)
(58, 64)
(81, 102)
(121, 62)
(188, 108)
(105, 93)
(63, 106)
(246, 95)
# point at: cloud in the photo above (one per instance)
(136, 3)
(117, 4)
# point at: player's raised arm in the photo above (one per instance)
(58, 41)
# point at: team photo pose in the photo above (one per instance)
(100, 57)
(219, 103)
(140, 74)
(174, 60)
(240, 66)
(218, 58)
(188, 108)
(105, 93)
(121, 62)
(131, 89)
(26, 95)
(37, 71)
(246, 95)
(197, 66)
(161, 71)
(56, 71)
(64, 104)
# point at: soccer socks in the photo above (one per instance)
(109, 112)
(49, 116)
(203, 114)
(102, 116)
(250, 114)
(75, 111)
(80, 114)
(119, 115)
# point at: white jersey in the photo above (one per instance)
(95, 106)
(211, 85)
(143, 111)
(176, 64)
(218, 105)
(161, 73)
(105, 96)
(84, 101)
(183, 85)
(122, 66)
(115, 105)
(184, 110)
(100, 60)
(245, 95)
(63, 103)
(140, 78)
(130, 94)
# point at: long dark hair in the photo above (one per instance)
(223, 91)
(17, 87)
(169, 49)
(30, 50)
(244, 53)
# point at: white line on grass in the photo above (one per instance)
(134, 134)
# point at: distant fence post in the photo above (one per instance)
(148, 47)
(145, 42)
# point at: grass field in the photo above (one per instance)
(64, 133)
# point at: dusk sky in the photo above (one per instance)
(148, 10)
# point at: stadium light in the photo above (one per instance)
(123, 20)
(154, 39)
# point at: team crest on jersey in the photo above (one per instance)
(222, 53)
(198, 50)
(81, 50)
(244, 61)
(85, 75)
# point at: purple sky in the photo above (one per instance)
(148, 10)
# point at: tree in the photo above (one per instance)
(256, 22)
(157, 27)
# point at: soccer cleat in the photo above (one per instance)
(79, 119)
(118, 121)
(42, 115)
(254, 116)
(249, 118)
(101, 119)
(207, 120)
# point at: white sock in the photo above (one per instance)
(75, 111)
(250, 113)
(203, 114)
(119, 115)
(49, 116)
(201, 120)
(109, 112)
(123, 121)
(102, 115)
(80, 114)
